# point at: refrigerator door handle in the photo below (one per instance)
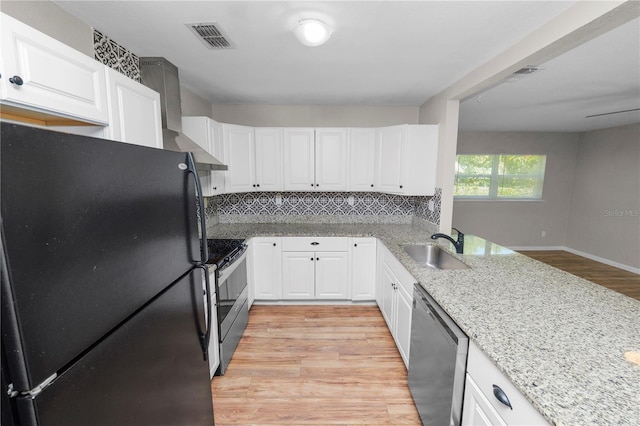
(191, 168)
(206, 336)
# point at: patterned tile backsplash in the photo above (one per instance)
(115, 56)
(326, 207)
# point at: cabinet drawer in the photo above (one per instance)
(485, 374)
(315, 244)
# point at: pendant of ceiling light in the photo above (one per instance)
(313, 32)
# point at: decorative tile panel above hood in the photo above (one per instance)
(115, 56)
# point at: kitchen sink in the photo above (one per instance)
(433, 256)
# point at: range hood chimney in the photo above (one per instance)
(162, 76)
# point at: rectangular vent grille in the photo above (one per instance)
(527, 70)
(211, 36)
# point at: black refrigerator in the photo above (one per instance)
(103, 312)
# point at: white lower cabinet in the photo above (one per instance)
(265, 269)
(476, 408)
(363, 269)
(395, 299)
(298, 275)
(315, 268)
(332, 275)
(315, 275)
(481, 404)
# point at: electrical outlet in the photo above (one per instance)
(432, 205)
(351, 200)
(278, 200)
(543, 234)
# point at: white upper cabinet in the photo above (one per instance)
(217, 177)
(299, 159)
(268, 159)
(48, 77)
(362, 159)
(315, 159)
(134, 112)
(239, 148)
(406, 159)
(331, 159)
(208, 134)
(390, 150)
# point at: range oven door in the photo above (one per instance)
(233, 310)
(231, 283)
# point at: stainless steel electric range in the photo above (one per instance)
(229, 256)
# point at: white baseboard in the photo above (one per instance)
(315, 302)
(536, 248)
(583, 254)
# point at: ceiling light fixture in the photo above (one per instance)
(312, 32)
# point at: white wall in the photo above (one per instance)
(50, 19)
(604, 218)
(315, 115)
(580, 23)
(193, 105)
(521, 223)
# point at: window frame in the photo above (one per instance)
(495, 177)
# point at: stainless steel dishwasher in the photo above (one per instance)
(437, 362)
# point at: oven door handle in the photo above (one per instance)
(206, 336)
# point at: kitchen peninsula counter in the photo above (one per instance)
(559, 338)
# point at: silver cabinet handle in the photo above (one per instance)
(501, 396)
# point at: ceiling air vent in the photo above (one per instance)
(527, 70)
(211, 35)
(522, 73)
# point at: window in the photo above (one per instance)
(499, 176)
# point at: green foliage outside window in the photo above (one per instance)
(499, 176)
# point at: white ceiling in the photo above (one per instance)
(381, 53)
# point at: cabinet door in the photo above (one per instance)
(421, 159)
(389, 157)
(331, 159)
(387, 297)
(240, 157)
(402, 320)
(362, 153)
(134, 112)
(199, 130)
(298, 275)
(363, 269)
(266, 268)
(269, 159)
(299, 161)
(476, 410)
(332, 275)
(55, 78)
(216, 143)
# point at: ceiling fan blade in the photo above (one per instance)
(614, 112)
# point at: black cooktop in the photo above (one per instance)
(221, 249)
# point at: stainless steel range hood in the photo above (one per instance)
(162, 76)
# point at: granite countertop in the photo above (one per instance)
(559, 338)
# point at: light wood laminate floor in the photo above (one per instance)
(316, 365)
(616, 279)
